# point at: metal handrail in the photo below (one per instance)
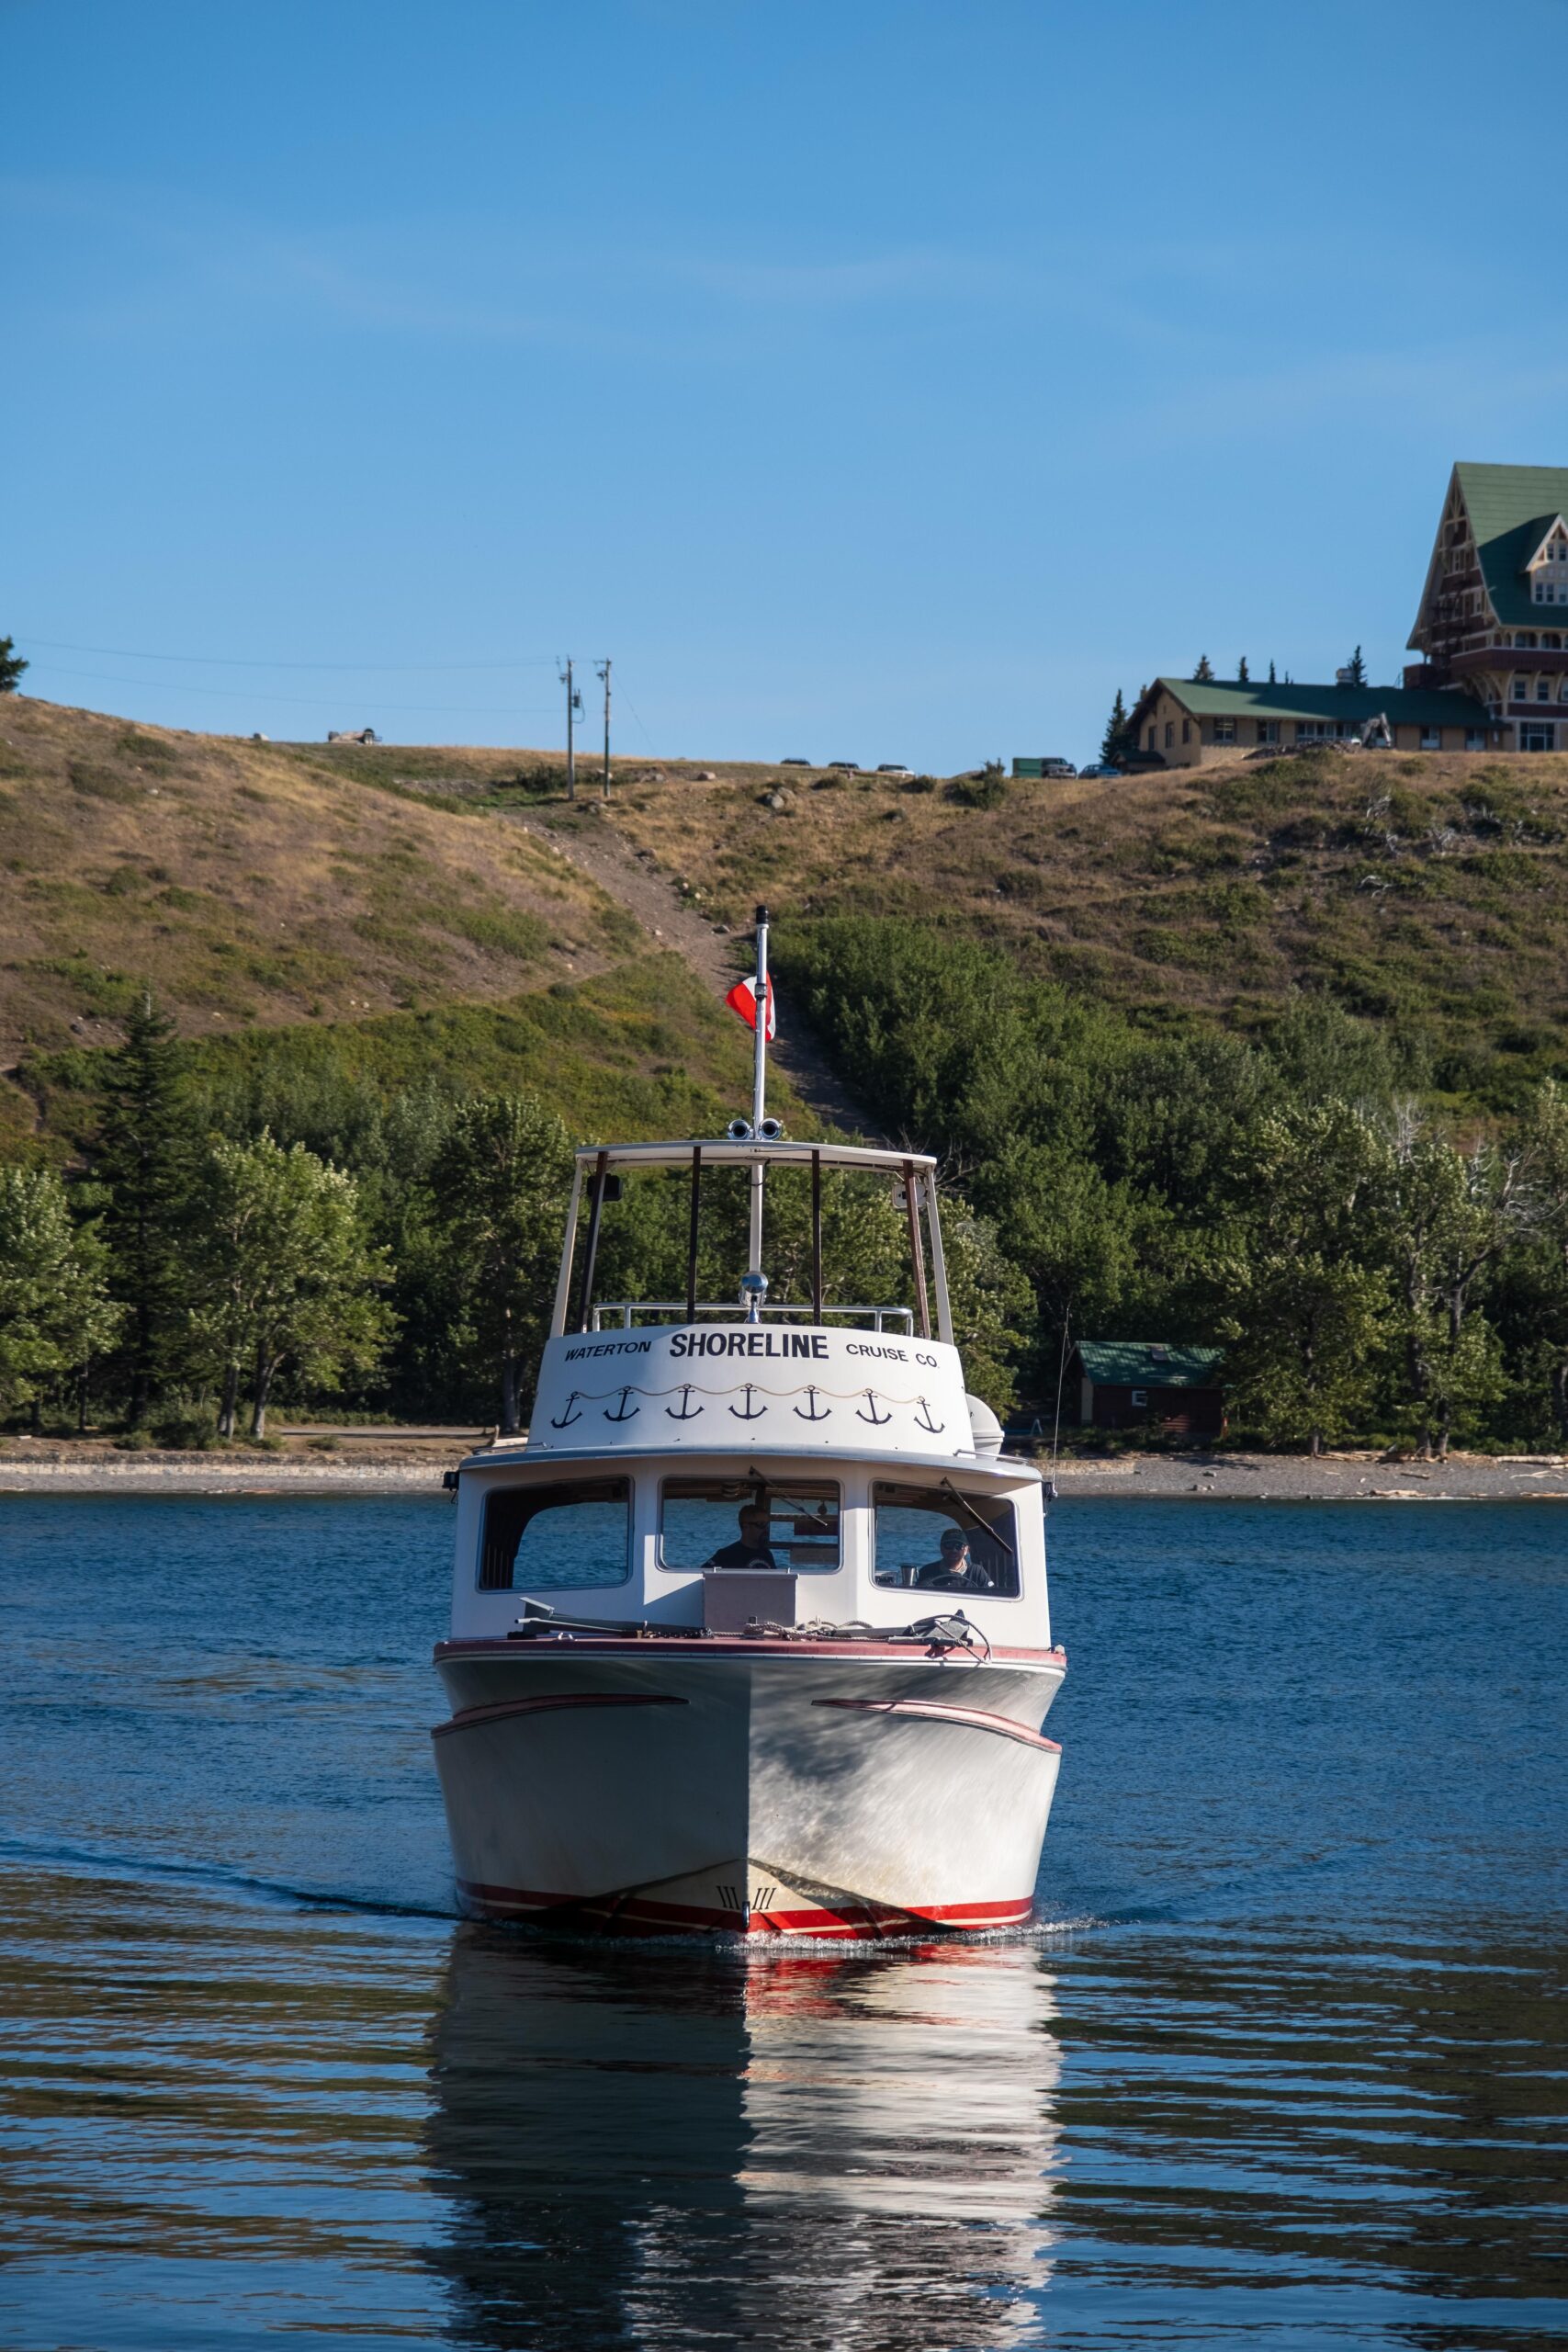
(902, 1317)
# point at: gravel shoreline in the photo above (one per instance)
(389, 1466)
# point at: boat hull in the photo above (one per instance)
(752, 1790)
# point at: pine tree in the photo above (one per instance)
(1117, 741)
(1243, 675)
(1357, 668)
(1272, 679)
(1203, 675)
(144, 1161)
(11, 665)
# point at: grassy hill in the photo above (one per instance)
(1428, 891)
(381, 892)
(292, 909)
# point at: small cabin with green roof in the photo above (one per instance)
(1145, 1384)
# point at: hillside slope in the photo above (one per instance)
(253, 883)
(278, 884)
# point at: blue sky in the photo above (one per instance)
(879, 381)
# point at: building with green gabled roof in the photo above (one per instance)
(1185, 723)
(1493, 614)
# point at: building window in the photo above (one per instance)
(1152, 733)
(1138, 1396)
(1524, 638)
(1170, 731)
(1187, 731)
(1537, 736)
(1550, 641)
(1225, 730)
(1543, 690)
(1562, 688)
(1319, 730)
(1521, 688)
(1267, 730)
(1475, 739)
(1431, 738)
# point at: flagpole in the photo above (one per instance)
(759, 1085)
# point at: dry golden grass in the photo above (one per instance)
(251, 883)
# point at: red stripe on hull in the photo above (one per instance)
(972, 1718)
(633, 1915)
(552, 1703)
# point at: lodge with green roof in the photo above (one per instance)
(1493, 615)
(1492, 632)
(1185, 722)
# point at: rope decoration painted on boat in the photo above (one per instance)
(615, 1407)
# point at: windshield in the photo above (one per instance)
(545, 1538)
(750, 1524)
(941, 1539)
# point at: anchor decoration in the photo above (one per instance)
(816, 1413)
(688, 1411)
(624, 1414)
(874, 1417)
(934, 1428)
(564, 1421)
(752, 1413)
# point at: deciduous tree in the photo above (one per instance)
(55, 1311)
(285, 1274)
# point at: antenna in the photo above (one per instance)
(759, 1086)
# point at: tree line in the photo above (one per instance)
(287, 1235)
(1376, 1270)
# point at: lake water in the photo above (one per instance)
(1283, 2066)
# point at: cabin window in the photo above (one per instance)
(1225, 730)
(556, 1537)
(1267, 730)
(940, 1539)
(749, 1522)
(1475, 739)
(1170, 731)
(1431, 738)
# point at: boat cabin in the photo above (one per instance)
(762, 1464)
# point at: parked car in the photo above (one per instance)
(796, 764)
(1054, 767)
(845, 767)
(894, 767)
(1101, 767)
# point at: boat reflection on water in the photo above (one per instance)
(646, 2146)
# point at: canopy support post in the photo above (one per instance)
(590, 1255)
(939, 1262)
(917, 1248)
(568, 1250)
(692, 1236)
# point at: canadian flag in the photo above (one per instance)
(742, 999)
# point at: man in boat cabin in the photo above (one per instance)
(753, 1550)
(954, 1571)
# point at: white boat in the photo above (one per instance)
(750, 1634)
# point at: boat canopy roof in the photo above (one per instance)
(724, 1151)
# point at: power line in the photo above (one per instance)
(239, 662)
(313, 702)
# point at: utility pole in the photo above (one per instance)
(604, 674)
(573, 705)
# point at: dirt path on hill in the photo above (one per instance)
(589, 840)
